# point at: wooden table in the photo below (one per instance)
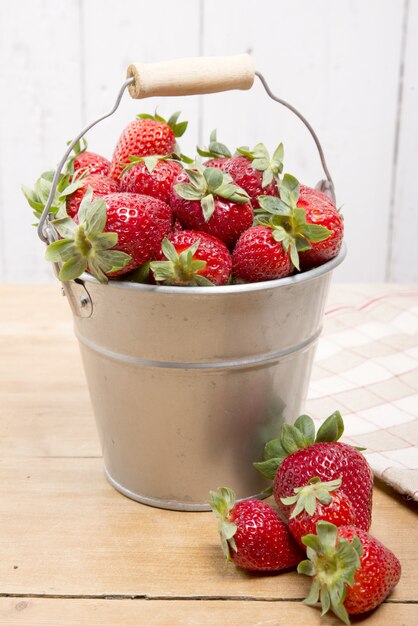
(74, 551)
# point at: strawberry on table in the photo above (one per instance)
(252, 534)
(113, 235)
(352, 571)
(299, 455)
(192, 258)
(153, 176)
(254, 171)
(317, 501)
(205, 199)
(145, 136)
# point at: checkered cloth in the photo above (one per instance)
(367, 367)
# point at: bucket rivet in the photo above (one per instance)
(84, 301)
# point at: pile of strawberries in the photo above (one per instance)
(323, 491)
(153, 215)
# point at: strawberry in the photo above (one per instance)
(352, 571)
(289, 221)
(146, 136)
(88, 162)
(298, 456)
(153, 176)
(192, 258)
(258, 256)
(114, 235)
(205, 199)
(318, 501)
(93, 163)
(255, 171)
(101, 186)
(252, 534)
(319, 209)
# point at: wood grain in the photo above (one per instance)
(191, 76)
(85, 538)
(47, 612)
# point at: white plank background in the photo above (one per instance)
(350, 66)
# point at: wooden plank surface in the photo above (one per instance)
(47, 612)
(68, 540)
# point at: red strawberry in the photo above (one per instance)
(101, 186)
(290, 221)
(206, 200)
(298, 456)
(252, 534)
(259, 256)
(245, 176)
(146, 136)
(88, 162)
(318, 501)
(193, 258)
(93, 163)
(114, 235)
(151, 176)
(352, 571)
(320, 210)
(255, 171)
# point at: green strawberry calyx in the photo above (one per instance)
(207, 183)
(150, 162)
(296, 436)
(215, 149)
(38, 196)
(178, 128)
(305, 497)
(85, 246)
(271, 166)
(222, 502)
(179, 269)
(288, 221)
(332, 562)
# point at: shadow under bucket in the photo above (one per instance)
(187, 384)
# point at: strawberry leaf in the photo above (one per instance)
(208, 206)
(214, 178)
(73, 268)
(315, 232)
(306, 426)
(268, 468)
(332, 429)
(61, 250)
(187, 191)
(215, 148)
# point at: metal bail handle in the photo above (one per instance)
(183, 77)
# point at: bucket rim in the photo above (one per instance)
(303, 277)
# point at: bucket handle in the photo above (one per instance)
(193, 76)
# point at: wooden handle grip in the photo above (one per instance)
(186, 77)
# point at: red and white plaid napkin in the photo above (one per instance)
(367, 367)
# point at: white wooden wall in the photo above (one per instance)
(351, 66)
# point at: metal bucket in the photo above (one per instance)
(187, 384)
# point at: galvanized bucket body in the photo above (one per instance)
(187, 384)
